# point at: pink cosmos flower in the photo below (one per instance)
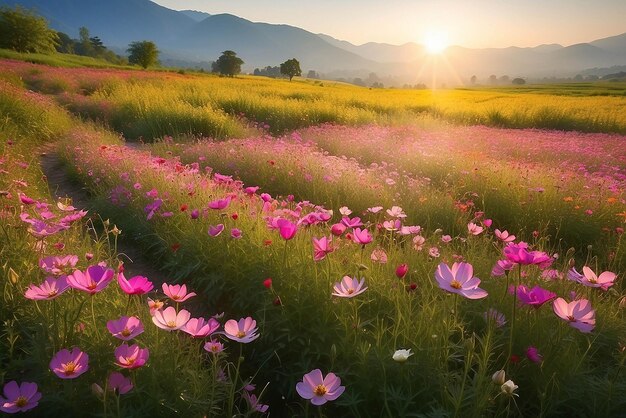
(518, 253)
(533, 354)
(244, 331)
(434, 252)
(579, 313)
(214, 347)
(534, 297)
(131, 357)
(287, 229)
(200, 328)
(351, 223)
(65, 208)
(57, 265)
(254, 403)
(125, 328)
(69, 364)
(320, 389)
(349, 287)
(501, 267)
(215, 230)
(446, 239)
(604, 280)
(488, 222)
(338, 229)
(375, 209)
(169, 319)
(155, 305)
(474, 229)
(19, 398)
(362, 237)
(460, 279)
(137, 285)
(392, 225)
(235, 233)
(396, 212)
(176, 292)
(504, 236)
(418, 242)
(118, 383)
(321, 247)
(379, 256)
(93, 280)
(345, 211)
(26, 200)
(219, 204)
(49, 289)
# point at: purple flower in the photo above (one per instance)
(214, 347)
(533, 355)
(131, 357)
(534, 297)
(235, 233)
(19, 398)
(320, 389)
(69, 364)
(287, 229)
(93, 280)
(460, 279)
(494, 315)
(57, 265)
(518, 253)
(125, 328)
(200, 328)
(578, 313)
(254, 403)
(215, 230)
(119, 383)
(49, 289)
(244, 331)
(219, 204)
(501, 267)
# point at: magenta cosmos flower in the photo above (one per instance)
(518, 253)
(604, 280)
(131, 357)
(215, 230)
(579, 313)
(460, 279)
(361, 236)
(244, 331)
(534, 297)
(125, 328)
(19, 398)
(69, 364)
(119, 383)
(286, 229)
(200, 328)
(349, 287)
(219, 204)
(474, 229)
(176, 292)
(321, 247)
(137, 285)
(49, 289)
(169, 320)
(319, 389)
(214, 347)
(93, 280)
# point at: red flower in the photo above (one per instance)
(514, 359)
(268, 283)
(234, 216)
(183, 207)
(175, 247)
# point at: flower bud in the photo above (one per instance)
(498, 377)
(402, 270)
(508, 388)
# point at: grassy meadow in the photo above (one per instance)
(436, 261)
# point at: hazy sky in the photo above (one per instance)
(471, 23)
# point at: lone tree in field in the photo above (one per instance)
(291, 68)
(23, 31)
(144, 53)
(518, 81)
(228, 64)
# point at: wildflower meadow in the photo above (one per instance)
(307, 249)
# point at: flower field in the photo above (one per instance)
(329, 251)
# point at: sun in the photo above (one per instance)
(435, 41)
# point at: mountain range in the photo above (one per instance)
(192, 36)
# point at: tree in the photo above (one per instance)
(504, 79)
(473, 79)
(23, 31)
(291, 68)
(518, 81)
(144, 53)
(312, 74)
(228, 64)
(493, 80)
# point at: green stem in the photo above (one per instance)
(231, 398)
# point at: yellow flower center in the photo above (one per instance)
(241, 334)
(350, 291)
(21, 401)
(52, 293)
(92, 285)
(455, 284)
(320, 390)
(171, 324)
(593, 280)
(129, 361)
(69, 368)
(125, 332)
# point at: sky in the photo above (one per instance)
(470, 23)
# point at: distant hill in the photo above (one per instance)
(198, 37)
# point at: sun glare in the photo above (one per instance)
(435, 42)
